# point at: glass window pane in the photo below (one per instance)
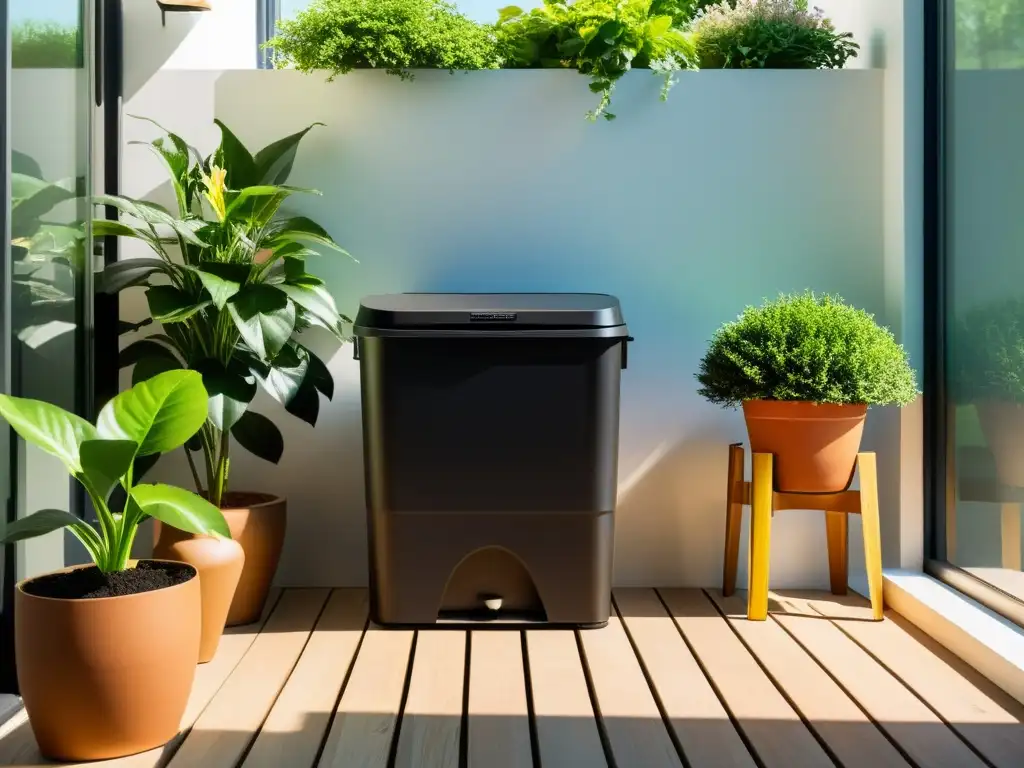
(48, 131)
(985, 236)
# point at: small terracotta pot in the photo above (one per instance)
(1002, 424)
(815, 446)
(106, 677)
(257, 522)
(219, 562)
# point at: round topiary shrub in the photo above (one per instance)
(806, 348)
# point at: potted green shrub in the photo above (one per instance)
(988, 372)
(805, 368)
(106, 653)
(769, 34)
(230, 289)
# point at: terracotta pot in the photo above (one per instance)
(106, 677)
(219, 562)
(257, 522)
(815, 446)
(1002, 424)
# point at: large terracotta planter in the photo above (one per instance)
(258, 523)
(106, 677)
(1002, 424)
(815, 446)
(219, 562)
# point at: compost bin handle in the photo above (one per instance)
(625, 351)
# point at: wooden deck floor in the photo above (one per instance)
(678, 678)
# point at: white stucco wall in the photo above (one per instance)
(742, 185)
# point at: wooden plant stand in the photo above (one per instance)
(765, 501)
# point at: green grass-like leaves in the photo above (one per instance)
(808, 348)
(49, 45)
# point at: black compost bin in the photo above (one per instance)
(490, 432)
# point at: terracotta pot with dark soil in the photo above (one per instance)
(219, 562)
(258, 522)
(106, 661)
(815, 446)
(1002, 424)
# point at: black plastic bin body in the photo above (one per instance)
(490, 433)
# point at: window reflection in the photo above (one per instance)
(985, 274)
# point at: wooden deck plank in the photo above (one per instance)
(922, 735)
(432, 718)
(984, 715)
(232, 719)
(18, 747)
(833, 715)
(701, 724)
(628, 711)
(772, 727)
(498, 722)
(298, 721)
(367, 714)
(566, 728)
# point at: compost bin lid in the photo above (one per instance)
(527, 314)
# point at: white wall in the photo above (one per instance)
(742, 185)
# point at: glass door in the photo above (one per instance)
(47, 286)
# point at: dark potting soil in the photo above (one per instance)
(243, 499)
(91, 582)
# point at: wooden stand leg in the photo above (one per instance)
(872, 530)
(1010, 535)
(760, 537)
(733, 519)
(836, 526)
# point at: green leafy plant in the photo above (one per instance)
(603, 39)
(394, 35)
(47, 254)
(152, 417)
(807, 348)
(988, 356)
(230, 288)
(36, 45)
(769, 34)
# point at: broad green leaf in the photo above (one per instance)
(260, 436)
(658, 26)
(148, 367)
(38, 524)
(143, 348)
(178, 162)
(286, 374)
(318, 303)
(318, 374)
(124, 274)
(222, 281)
(180, 509)
(264, 317)
(53, 429)
(109, 227)
(300, 229)
(233, 157)
(229, 393)
(169, 304)
(509, 12)
(159, 414)
(105, 462)
(154, 214)
(274, 162)
(305, 404)
(239, 199)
